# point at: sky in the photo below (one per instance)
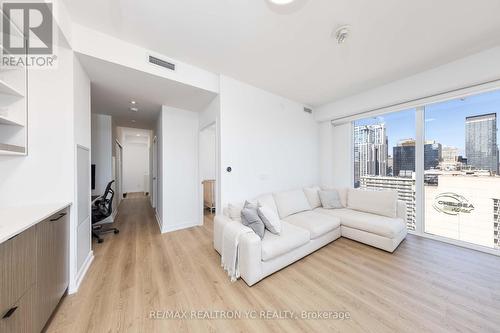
(444, 122)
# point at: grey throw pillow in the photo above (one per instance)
(330, 199)
(250, 218)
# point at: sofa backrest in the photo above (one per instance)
(291, 202)
(376, 202)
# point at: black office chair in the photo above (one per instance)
(102, 207)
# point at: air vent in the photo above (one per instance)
(308, 110)
(162, 63)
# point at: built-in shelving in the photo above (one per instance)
(6, 88)
(11, 122)
(7, 149)
(13, 105)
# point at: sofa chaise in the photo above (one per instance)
(375, 218)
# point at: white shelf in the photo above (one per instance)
(7, 121)
(6, 88)
(6, 149)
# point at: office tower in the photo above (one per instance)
(449, 154)
(481, 142)
(370, 151)
(432, 154)
(404, 157)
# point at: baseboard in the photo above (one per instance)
(81, 274)
(158, 220)
(181, 226)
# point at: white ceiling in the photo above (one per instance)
(289, 50)
(114, 86)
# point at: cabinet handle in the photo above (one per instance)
(57, 218)
(10, 312)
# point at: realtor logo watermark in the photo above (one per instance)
(28, 34)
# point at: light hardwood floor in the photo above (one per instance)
(424, 286)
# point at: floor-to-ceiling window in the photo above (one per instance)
(454, 157)
(461, 182)
(384, 156)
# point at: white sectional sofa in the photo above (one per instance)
(375, 218)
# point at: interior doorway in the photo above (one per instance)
(208, 169)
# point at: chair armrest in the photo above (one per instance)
(402, 211)
(250, 258)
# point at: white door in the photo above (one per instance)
(155, 171)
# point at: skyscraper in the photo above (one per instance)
(481, 142)
(450, 154)
(404, 156)
(370, 151)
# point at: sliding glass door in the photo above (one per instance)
(443, 160)
(461, 182)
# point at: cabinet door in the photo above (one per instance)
(17, 264)
(61, 242)
(52, 265)
(20, 318)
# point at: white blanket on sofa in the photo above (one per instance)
(230, 240)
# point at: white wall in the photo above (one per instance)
(270, 143)
(136, 163)
(102, 151)
(208, 151)
(180, 205)
(159, 176)
(81, 231)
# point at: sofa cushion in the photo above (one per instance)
(291, 237)
(291, 202)
(342, 191)
(377, 202)
(312, 196)
(330, 199)
(316, 223)
(234, 211)
(270, 218)
(375, 224)
(250, 218)
(267, 200)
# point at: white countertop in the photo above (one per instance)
(14, 220)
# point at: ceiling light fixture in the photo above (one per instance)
(133, 120)
(282, 2)
(133, 102)
(342, 33)
(134, 109)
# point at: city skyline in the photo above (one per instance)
(401, 125)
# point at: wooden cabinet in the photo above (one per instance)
(34, 274)
(51, 265)
(17, 264)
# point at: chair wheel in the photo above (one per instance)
(117, 231)
(100, 241)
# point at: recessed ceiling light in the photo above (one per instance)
(134, 109)
(342, 33)
(282, 2)
(138, 135)
(133, 120)
(133, 102)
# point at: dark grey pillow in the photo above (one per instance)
(250, 218)
(330, 199)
